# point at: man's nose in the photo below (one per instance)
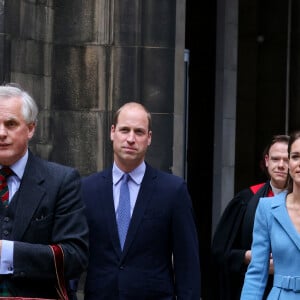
(131, 136)
(3, 130)
(282, 162)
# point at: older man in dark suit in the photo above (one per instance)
(41, 206)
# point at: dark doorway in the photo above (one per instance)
(200, 40)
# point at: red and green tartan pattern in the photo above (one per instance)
(4, 291)
(5, 172)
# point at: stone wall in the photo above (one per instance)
(81, 60)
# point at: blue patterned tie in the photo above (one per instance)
(123, 218)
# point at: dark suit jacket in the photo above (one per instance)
(47, 209)
(162, 224)
(233, 236)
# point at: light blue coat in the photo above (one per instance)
(274, 233)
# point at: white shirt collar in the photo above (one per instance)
(19, 166)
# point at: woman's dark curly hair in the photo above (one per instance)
(293, 137)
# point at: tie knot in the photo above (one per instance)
(6, 172)
(126, 177)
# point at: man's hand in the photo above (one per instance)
(271, 266)
(248, 257)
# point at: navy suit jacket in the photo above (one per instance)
(160, 259)
(47, 209)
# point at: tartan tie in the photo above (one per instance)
(5, 172)
(123, 218)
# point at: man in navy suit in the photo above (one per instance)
(160, 256)
(44, 207)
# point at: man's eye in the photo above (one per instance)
(139, 132)
(11, 124)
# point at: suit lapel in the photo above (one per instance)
(31, 192)
(143, 198)
(109, 209)
(280, 213)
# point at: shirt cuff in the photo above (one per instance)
(7, 254)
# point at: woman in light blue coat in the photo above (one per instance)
(276, 233)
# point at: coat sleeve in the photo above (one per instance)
(228, 226)
(257, 273)
(222, 248)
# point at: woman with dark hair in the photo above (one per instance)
(276, 233)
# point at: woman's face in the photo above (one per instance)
(294, 162)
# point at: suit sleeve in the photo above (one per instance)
(61, 220)
(186, 248)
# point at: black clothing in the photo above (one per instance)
(233, 236)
